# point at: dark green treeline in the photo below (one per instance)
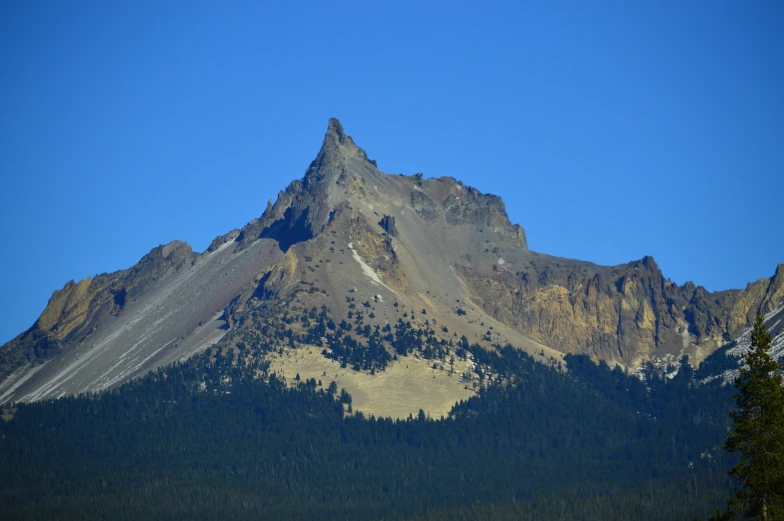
(202, 441)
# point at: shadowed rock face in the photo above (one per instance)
(348, 230)
(387, 223)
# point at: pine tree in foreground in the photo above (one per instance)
(758, 435)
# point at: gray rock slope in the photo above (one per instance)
(176, 316)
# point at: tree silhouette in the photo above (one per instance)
(758, 435)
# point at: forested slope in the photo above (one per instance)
(201, 440)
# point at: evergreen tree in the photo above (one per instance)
(758, 435)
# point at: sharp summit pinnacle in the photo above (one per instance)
(335, 129)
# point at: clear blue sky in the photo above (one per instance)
(612, 130)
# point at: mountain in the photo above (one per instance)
(438, 260)
(724, 363)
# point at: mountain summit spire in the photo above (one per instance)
(336, 137)
(335, 131)
(336, 148)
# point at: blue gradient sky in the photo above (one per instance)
(612, 130)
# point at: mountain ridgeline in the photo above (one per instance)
(346, 234)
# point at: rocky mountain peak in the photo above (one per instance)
(336, 134)
(337, 151)
(650, 263)
(303, 209)
(336, 147)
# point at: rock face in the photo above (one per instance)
(724, 364)
(348, 233)
(387, 223)
(626, 313)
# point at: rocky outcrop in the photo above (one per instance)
(375, 249)
(423, 206)
(474, 207)
(759, 297)
(387, 223)
(625, 313)
(279, 280)
(464, 205)
(223, 239)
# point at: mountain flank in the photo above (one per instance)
(410, 266)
